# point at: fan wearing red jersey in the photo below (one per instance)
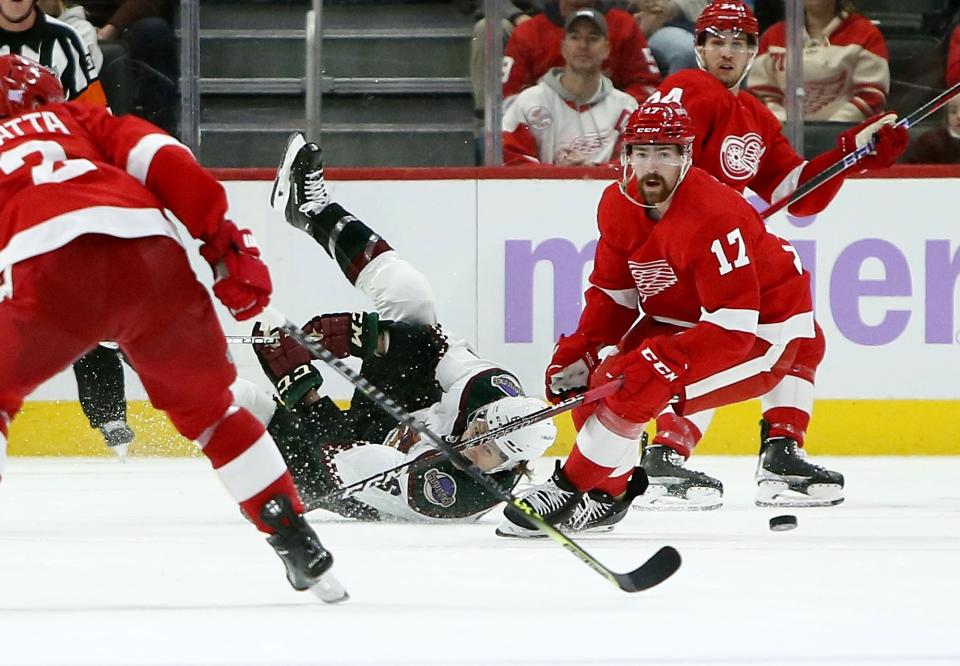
(738, 141)
(725, 306)
(83, 198)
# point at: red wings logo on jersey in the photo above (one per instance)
(740, 155)
(652, 277)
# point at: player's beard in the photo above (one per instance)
(653, 188)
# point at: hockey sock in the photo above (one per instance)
(248, 463)
(346, 239)
(583, 473)
(598, 452)
(615, 485)
(787, 422)
(679, 433)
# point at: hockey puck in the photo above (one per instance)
(783, 523)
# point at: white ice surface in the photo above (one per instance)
(150, 563)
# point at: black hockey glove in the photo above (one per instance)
(287, 364)
(347, 333)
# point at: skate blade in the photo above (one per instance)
(656, 498)
(599, 529)
(778, 494)
(281, 183)
(121, 451)
(511, 531)
(329, 590)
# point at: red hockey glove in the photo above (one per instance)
(651, 376)
(287, 364)
(889, 141)
(347, 333)
(242, 281)
(574, 359)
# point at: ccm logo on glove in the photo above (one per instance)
(665, 371)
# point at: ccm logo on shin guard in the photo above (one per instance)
(658, 365)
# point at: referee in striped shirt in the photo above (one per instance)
(26, 30)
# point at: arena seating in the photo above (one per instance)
(396, 87)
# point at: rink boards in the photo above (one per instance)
(509, 258)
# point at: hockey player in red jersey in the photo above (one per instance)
(739, 141)
(83, 195)
(726, 308)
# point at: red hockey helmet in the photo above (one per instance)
(656, 123)
(727, 15)
(25, 85)
(659, 123)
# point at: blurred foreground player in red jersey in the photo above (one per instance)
(726, 307)
(738, 140)
(83, 195)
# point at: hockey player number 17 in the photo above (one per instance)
(54, 167)
(734, 239)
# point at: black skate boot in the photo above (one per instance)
(307, 561)
(600, 512)
(299, 189)
(675, 487)
(786, 478)
(555, 500)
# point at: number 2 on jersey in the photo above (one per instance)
(54, 167)
(735, 240)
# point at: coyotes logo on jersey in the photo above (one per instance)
(740, 155)
(652, 277)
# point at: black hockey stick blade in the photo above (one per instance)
(661, 566)
(658, 567)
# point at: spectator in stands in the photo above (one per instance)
(27, 31)
(146, 26)
(668, 27)
(513, 14)
(940, 145)
(574, 116)
(534, 48)
(75, 16)
(846, 73)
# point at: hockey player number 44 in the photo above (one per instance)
(54, 167)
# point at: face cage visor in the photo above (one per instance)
(630, 174)
(727, 36)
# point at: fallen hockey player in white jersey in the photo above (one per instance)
(406, 354)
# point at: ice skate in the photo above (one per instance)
(674, 487)
(786, 478)
(599, 512)
(555, 500)
(117, 435)
(307, 561)
(299, 188)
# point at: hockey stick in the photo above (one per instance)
(852, 158)
(660, 566)
(415, 465)
(252, 339)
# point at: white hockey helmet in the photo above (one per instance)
(522, 445)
